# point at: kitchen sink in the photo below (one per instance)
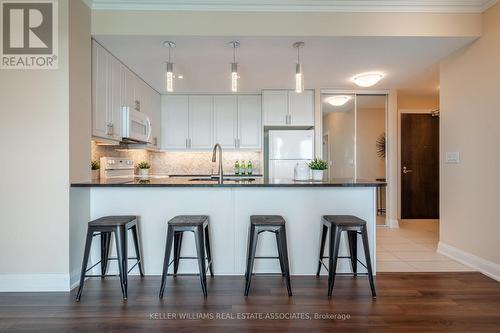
(233, 179)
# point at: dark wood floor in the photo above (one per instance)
(437, 302)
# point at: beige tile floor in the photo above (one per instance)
(412, 248)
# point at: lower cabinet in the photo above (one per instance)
(197, 122)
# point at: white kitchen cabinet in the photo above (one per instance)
(197, 122)
(226, 121)
(174, 122)
(275, 107)
(201, 122)
(288, 108)
(249, 122)
(155, 117)
(106, 94)
(301, 108)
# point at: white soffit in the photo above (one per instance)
(423, 6)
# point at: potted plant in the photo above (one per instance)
(143, 169)
(95, 166)
(318, 167)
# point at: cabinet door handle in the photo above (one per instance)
(187, 143)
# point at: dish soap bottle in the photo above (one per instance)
(236, 168)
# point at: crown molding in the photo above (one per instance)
(377, 6)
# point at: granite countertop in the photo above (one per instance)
(195, 181)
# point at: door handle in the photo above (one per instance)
(406, 170)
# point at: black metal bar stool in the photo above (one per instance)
(105, 226)
(198, 224)
(354, 226)
(276, 225)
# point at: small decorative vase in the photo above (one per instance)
(317, 175)
(95, 174)
(144, 173)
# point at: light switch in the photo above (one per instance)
(452, 157)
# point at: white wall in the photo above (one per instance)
(80, 122)
(34, 195)
(192, 23)
(35, 164)
(470, 124)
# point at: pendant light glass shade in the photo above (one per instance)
(234, 77)
(299, 76)
(299, 79)
(169, 67)
(234, 66)
(169, 77)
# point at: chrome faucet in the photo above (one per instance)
(214, 158)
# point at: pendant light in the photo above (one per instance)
(234, 66)
(299, 77)
(169, 75)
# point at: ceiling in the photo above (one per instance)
(442, 6)
(269, 62)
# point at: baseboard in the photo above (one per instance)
(34, 282)
(486, 267)
(393, 223)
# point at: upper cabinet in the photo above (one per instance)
(114, 86)
(226, 121)
(288, 108)
(174, 122)
(106, 94)
(249, 122)
(201, 113)
(197, 122)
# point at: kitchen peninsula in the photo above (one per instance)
(229, 206)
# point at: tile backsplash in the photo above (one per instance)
(179, 163)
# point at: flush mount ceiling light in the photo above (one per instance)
(299, 77)
(169, 70)
(234, 66)
(368, 79)
(338, 100)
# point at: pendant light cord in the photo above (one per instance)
(234, 53)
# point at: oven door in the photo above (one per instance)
(136, 126)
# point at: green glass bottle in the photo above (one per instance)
(236, 168)
(249, 168)
(242, 168)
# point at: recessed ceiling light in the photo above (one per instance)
(180, 76)
(338, 100)
(367, 79)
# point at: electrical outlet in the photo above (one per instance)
(452, 157)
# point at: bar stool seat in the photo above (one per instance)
(267, 220)
(112, 221)
(344, 220)
(354, 226)
(188, 220)
(199, 225)
(105, 226)
(276, 225)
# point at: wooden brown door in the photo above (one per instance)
(419, 166)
